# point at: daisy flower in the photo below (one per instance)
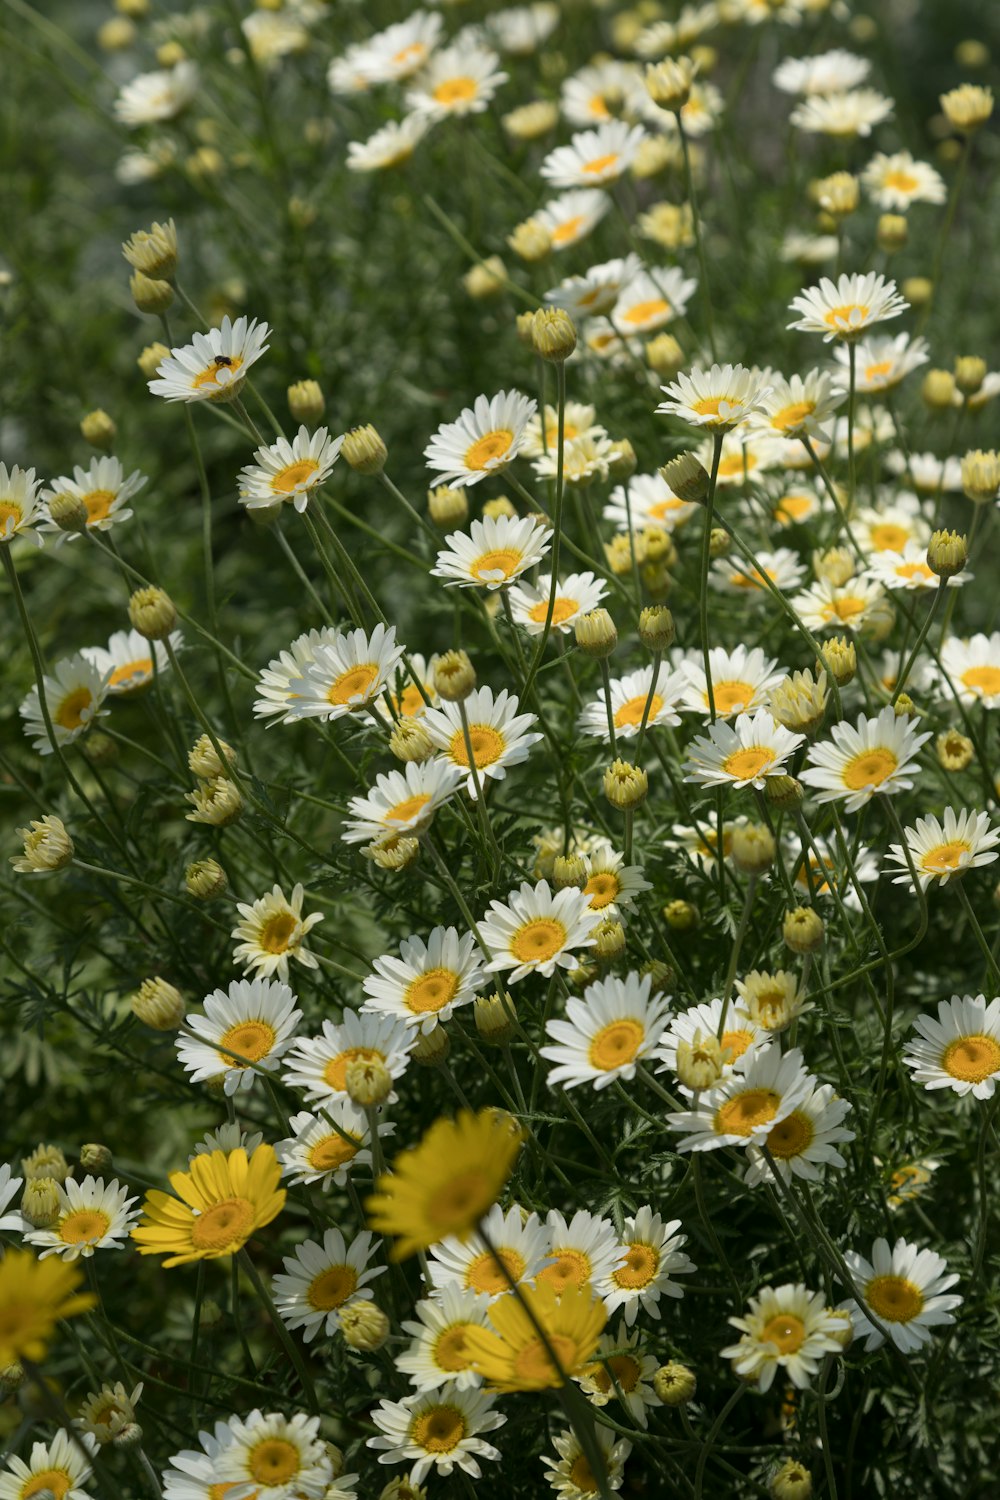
(402, 802)
(792, 504)
(787, 1328)
(405, 696)
(9, 1187)
(847, 308)
(73, 696)
(272, 35)
(942, 851)
(482, 441)
(908, 1291)
(771, 1000)
(585, 458)
(909, 570)
(214, 365)
(20, 510)
(549, 843)
(192, 1475)
(799, 406)
(850, 606)
(821, 871)
(594, 156)
(578, 421)
(282, 1457)
(127, 660)
(92, 1215)
(228, 1137)
(272, 931)
(152, 97)
(629, 696)
(611, 885)
(804, 1140)
(109, 1412)
(326, 1149)
(652, 1258)
(280, 679)
(745, 1107)
(438, 1352)
(581, 1253)
(744, 754)
(596, 93)
(894, 182)
(571, 1476)
(891, 527)
(621, 1370)
(461, 80)
(831, 72)
(522, 29)
(876, 756)
(576, 595)
(321, 1279)
(222, 1199)
(740, 681)
(493, 553)
(392, 55)
(289, 470)
(782, 568)
(720, 398)
(972, 667)
(438, 1430)
(594, 294)
(572, 216)
(345, 674)
(882, 362)
(389, 146)
(511, 1354)
(498, 734)
(35, 1295)
(318, 1065)
(534, 931)
(59, 1468)
(809, 249)
(519, 1242)
(739, 1036)
(103, 489)
(651, 300)
(428, 981)
(852, 113)
(607, 1033)
(909, 1181)
(651, 502)
(960, 1050)
(255, 1018)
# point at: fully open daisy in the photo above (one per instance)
(804, 1141)
(649, 501)
(389, 146)
(850, 606)
(493, 552)
(281, 1457)
(20, 508)
(595, 293)
(740, 681)
(35, 1296)
(576, 595)
(74, 693)
(826, 73)
(942, 850)
(846, 115)
(607, 1033)
(782, 568)
(651, 300)
(742, 754)
(907, 1289)
(512, 1247)
(720, 398)
(127, 660)
(629, 698)
(786, 1328)
(214, 365)
(621, 1370)
(272, 931)
(848, 307)
(571, 1476)
(499, 735)
(745, 456)
(392, 55)
(799, 406)
(345, 674)
(280, 681)
(460, 80)
(960, 1050)
(882, 361)
(255, 1018)
(191, 1475)
(92, 1215)
(104, 490)
(428, 981)
(536, 931)
(438, 1352)
(402, 802)
(791, 504)
(58, 1468)
(221, 1201)
(510, 1354)
(652, 1258)
(891, 527)
(594, 157)
(894, 182)
(876, 756)
(438, 1430)
(746, 1106)
(973, 668)
(482, 441)
(318, 1064)
(289, 471)
(151, 97)
(611, 885)
(581, 1252)
(321, 1279)
(739, 1035)
(327, 1148)
(572, 216)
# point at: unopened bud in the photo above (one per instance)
(432, 1047)
(98, 429)
(40, 1202)
(158, 1005)
(569, 870)
(11, 1378)
(552, 334)
(918, 290)
(152, 613)
(95, 1158)
(47, 847)
(905, 708)
(365, 1327)
(622, 462)
(803, 930)
(532, 120)
(306, 401)
(499, 506)
(218, 802)
(409, 740)
(835, 565)
(494, 1022)
(675, 1384)
(45, 1161)
(837, 194)
(596, 633)
(454, 676)
(947, 553)
(970, 372)
(687, 477)
(783, 793)
(981, 475)
(364, 450)
(664, 355)
(954, 750)
(368, 1084)
(661, 976)
(891, 233)
(967, 108)
(840, 658)
(485, 279)
(668, 83)
(151, 359)
(720, 543)
(681, 916)
(753, 848)
(938, 389)
(792, 1482)
(699, 1062)
(203, 758)
(625, 786)
(153, 252)
(150, 296)
(447, 507)
(524, 323)
(393, 852)
(609, 940)
(69, 511)
(205, 879)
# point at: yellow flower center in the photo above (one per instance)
(566, 232)
(502, 560)
(755, 578)
(431, 992)
(638, 1269)
(455, 91)
(984, 680)
(746, 764)
(459, 1203)
(356, 682)
(570, 1268)
(599, 163)
(411, 54)
(83, 1226)
(250, 1039)
(945, 857)
(439, 1430)
(904, 182)
(582, 1476)
(914, 570)
(642, 312)
(616, 1044)
(276, 933)
(484, 1275)
(632, 711)
(410, 703)
(49, 1481)
(210, 376)
(274, 1461)
(9, 512)
(792, 416)
(894, 1299)
(74, 710)
(486, 450)
(870, 768)
(664, 508)
(533, 1364)
(732, 464)
(791, 1137)
(450, 1349)
(403, 812)
(844, 316)
(709, 406)
(731, 695)
(972, 1058)
(621, 1368)
(539, 940)
(220, 1491)
(335, 1072)
(332, 1152)
(879, 368)
(224, 1226)
(602, 889)
(332, 1287)
(785, 1331)
(98, 503)
(131, 674)
(488, 744)
(742, 1114)
(562, 610)
(887, 537)
(736, 1043)
(294, 476)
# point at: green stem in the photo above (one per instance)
(556, 523)
(706, 293)
(287, 1342)
(706, 560)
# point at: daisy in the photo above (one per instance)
(894, 182)
(929, 473)
(511, 1353)
(152, 97)
(652, 1258)
(318, 1065)
(438, 1352)
(214, 365)
(891, 527)
(621, 1370)
(827, 73)
(255, 1018)
(483, 441)
(611, 885)
(9, 1188)
(744, 754)
(281, 677)
(772, 1001)
(59, 1468)
(127, 660)
(497, 732)
(972, 667)
(326, 1149)
(720, 398)
(745, 1107)
(272, 931)
(651, 300)
(522, 29)
(289, 470)
(877, 756)
(221, 1200)
(799, 406)
(787, 1328)
(282, 1457)
(595, 293)
(321, 1279)
(92, 1215)
(596, 93)
(960, 1050)
(581, 1253)
(428, 981)
(607, 1033)
(740, 681)
(109, 1413)
(585, 458)
(73, 696)
(228, 1137)
(575, 596)
(437, 1429)
(549, 843)
(20, 511)
(571, 1476)
(389, 146)
(405, 696)
(629, 696)
(493, 553)
(847, 308)
(739, 1036)
(904, 1288)
(272, 35)
(849, 114)
(192, 1473)
(517, 1241)
(103, 489)
(535, 932)
(346, 673)
(849, 606)
(650, 501)
(909, 570)
(402, 802)
(809, 249)
(572, 216)
(882, 361)
(461, 80)
(578, 421)
(594, 157)
(398, 52)
(804, 1140)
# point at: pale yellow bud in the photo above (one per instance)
(954, 750)
(432, 1047)
(153, 252)
(116, 34)
(840, 658)
(892, 232)
(454, 676)
(152, 613)
(968, 107)
(664, 355)
(368, 1084)
(687, 477)
(970, 372)
(552, 334)
(47, 847)
(656, 628)
(447, 507)
(203, 758)
(981, 475)
(95, 1158)
(569, 870)
(938, 389)
(499, 506)
(45, 1161)
(151, 358)
(699, 1062)
(609, 938)
(69, 511)
(836, 565)
(972, 53)
(149, 295)
(40, 1202)
(306, 401)
(753, 848)
(681, 916)
(803, 930)
(720, 543)
(364, 451)
(494, 1020)
(596, 634)
(205, 879)
(365, 1327)
(918, 290)
(622, 461)
(792, 1482)
(158, 1005)
(625, 786)
(784, 793)
(485, 279)
(98, 429)
(798, 702)
(838, 194)
(675, 1384)
(393, 852)
(530, 121)
(409, 740)
(668, 83)
(947, 553)
(217, 802)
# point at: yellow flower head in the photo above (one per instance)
(444, 1186)
(221, 1201)
(35, 1295)
(512, 1356)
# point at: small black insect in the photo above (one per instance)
(222, 361)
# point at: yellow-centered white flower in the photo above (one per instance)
(402, 802)
(651, 1257)
(960, 1050)
(321, 1279)
(289, 471)
(438, 1430)
(720, 398)
(345, 674)
(73, 696)
(652, 300)
(848, 307)
(878, 756)
(272, 930)
(606, 1034)
(787, 1328)
(894, 182)
(127, 660)
(214, 365)
(245, 1029)
(742, 754)
(535, 931)
(428, 981)
(461, 80)
(629, 699)
(594, 157)
(483, 440)
(572, 216)
(907, 1289)
(20, 507)
(498, 734)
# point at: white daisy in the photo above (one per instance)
(499, 735)
(878, 756)
(651, 502)
(327, 1148)
(594, 156)
(521, 1244)
(575, 596)
(572, 216)
(585, 458)
(549, 843)
(578, 421)
(438, 1352)
(594, 294)
(9, 1188)
(272, 931)
(852, 113)
(214, 365)
(799, 405)
(882, 361)
(272, 35)
(402, 802)
(318, 1064)
(534, 931)
(278, 683)
(786, 1328)
(152, 97)
(744, 1108)
(606, 1034)
(461, 80)
(571, 1476)
(92, 1215)
(822, 870)
(850, 606)
(739, 1036)
(437, 1430)
(908, 1291)
(73, 695)
(493, 553)
(289, 470)
(399, 51)
(581, 1252)
(804, 1140)
(740, 681)
(894, 182)
(621, 1370)
(960, 1050)
(127, 660)
(192, 1473)
(347, 671)
(596, 93)
(428, 981)
(103, 489)
(892, 526)
(60, 1468)
(322, 1279)
(928, 473)
(389, 146)
(742, 754)
(405, 696)
(255, 1018)
(20, 510)
(652, 1258)
(720, 398)
(629, 696)
(809, 249)
(847, 308)
(482, 441)
(791, 504)
(611, 885)
(831, 72)
(973, 668)
(283, 1458)
(651, 300)
(227, 1137)
(910, 570)
(521, 29)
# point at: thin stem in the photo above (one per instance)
(288, 1343)
(706, 292)
(706, 559)
(556, 524)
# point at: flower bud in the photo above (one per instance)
(905, 708)
(501, 506)
(432, 1047)
(938, 389)
(153, 252)
(447, 507)
(664, 355)
(835, 565)
(524, 323)
(625, 786)
(681, 916)
(891, 233)
(409, 740)
(661, 976)
(970, 372)
(967, 108)
(553, 336)
(45, 1161)
(918, 290)
(95, 1158)
(803, 930)
(364, 450)
(655, 545)
(656, 628)
(837, 194)
(11, 1378)
(609, 938)
(47, 847)
(720, 543)
(99, 749)
(454, 676)
(569, 870)
(368, 1084)
(116, 34)
(365, 1327)
(954, 750)
(981, 475)
(791, 1482)
(798, 702)
(668, 83)
(622, 462)
(699, 1062)
(675, 1384)
(947, 553)
(687, 477)
(784, 793)
(158, 1005)
(205, 879)
(393, 852)
(151, 359)
(485, 279)
(203, 758)
(530, 121)
(306, 401)
(218, 802)
(69, 511)
(98, 429)
(494, 1022)
(840, 658)
(152, 613)
(150, 296)
(753, 848)
(596, 634)
(972, 53)
(40, 1202)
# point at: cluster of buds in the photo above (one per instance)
(217, 799)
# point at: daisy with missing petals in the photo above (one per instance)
(942, 851)
(621, 1370)
(438, 1352)
(799, 406)
(651, 300)
(255, 1020)
(909, 570)
(848, 307)
(518, 1246)
(389, 146)
(281, 679)
(127, 660)
(876, 756)
(612, 886)
(744, 754)
(571, 1476)
(851, 606)
(221, 1201)
(282, 1457)
(493, 553)
(318, 1065)
(739, 1036)
(960, 1050)
(214, 365)
(58, 1468)
(907, 1289)
(607, 1033)
(402, 802)
(581, 1253)
(649, 501)
(103, 489)
(740, 681)
(437, 1430)
(20, 511)
(894, 182)
(572, 216)
(804, 1141)
(594, 294)
(831, 72)
(720, 398)
(846, 115)
(92, 1215)
(289, 470)
(534, 931)
(272, 931)
(346, 673)
(575, 596)
(972, 667)
(652, 1258)
(428, 981)
(321, 1279)
(594, 157)
(482, 441)
(498, 734)
(73, 696)
(788, 1328)
(629, 697)
(327, 1148)
(461, 80)
(746, 1106)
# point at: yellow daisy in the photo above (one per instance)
(221, 1201)
(34, 1296)
(511, 1356)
